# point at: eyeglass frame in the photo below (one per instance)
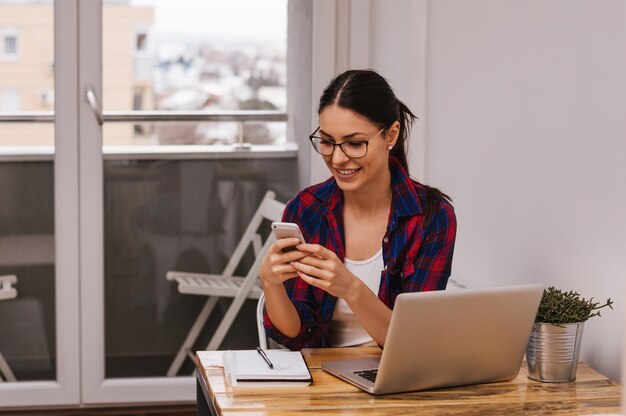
(335, 145)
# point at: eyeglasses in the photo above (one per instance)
(354, 149)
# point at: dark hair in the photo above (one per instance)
(367, 93)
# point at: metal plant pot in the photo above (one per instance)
(552, 352)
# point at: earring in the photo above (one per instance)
(390, 147)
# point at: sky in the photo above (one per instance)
(259, 19)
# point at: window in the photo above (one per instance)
(10, 99)
(141, 42)
(45, 98)
(10, 44)
(138, 98)
(141, 30)
(196, 56)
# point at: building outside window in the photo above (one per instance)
(196, 56)
(205, 56)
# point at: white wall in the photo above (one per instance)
(398, 48)
(525, 127)
(526, 130)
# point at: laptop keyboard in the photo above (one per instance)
(367, 374)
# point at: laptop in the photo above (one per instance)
(448, 338)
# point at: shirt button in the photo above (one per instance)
(386, 240)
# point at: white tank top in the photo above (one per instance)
(345, 328)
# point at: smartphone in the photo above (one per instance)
(287, 230)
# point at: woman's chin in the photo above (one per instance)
(347, 184)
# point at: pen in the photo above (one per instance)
(262, 354)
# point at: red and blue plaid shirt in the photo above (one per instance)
(417, 256)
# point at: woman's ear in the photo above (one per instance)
(392, 135)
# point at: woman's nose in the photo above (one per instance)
(339, 156)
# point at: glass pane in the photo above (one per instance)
(190, 55)
(27, 307)
(184, 215)
(26, 69)
(186, 212)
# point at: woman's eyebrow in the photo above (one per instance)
(347, 136)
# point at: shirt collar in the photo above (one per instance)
(405, 200)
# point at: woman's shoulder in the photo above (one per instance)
(312, 197)
(318, 192)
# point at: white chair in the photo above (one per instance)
(7, 291)
(260, 308)
(264, 341)
(225, 284)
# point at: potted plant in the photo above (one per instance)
(554, 344)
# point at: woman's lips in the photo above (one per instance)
(347, 173)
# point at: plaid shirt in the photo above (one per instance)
(415, 258)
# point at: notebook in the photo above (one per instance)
(448, 338)
(249, 368)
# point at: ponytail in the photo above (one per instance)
(434, 196)
(406, 119)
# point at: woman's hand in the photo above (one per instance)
(276, 267)
(322, 268)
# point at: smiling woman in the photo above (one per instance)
(372, 231)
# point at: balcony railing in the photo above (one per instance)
(153, 116)
(239, 150)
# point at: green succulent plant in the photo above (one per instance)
(561, 308)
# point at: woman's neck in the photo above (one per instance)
(377, 196)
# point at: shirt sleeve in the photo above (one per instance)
(433, 263)
(303, 296)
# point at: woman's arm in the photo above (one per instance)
(304, 328)
(373, 314)
(280, 310)
(433, 263)
(324, 270)
(275, 269)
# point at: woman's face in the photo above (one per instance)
(339, 125)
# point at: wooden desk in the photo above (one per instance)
(591, 393)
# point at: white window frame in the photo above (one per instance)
(10, 32)
(65, 389)
(96, 387)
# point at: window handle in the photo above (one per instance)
(92, 99)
